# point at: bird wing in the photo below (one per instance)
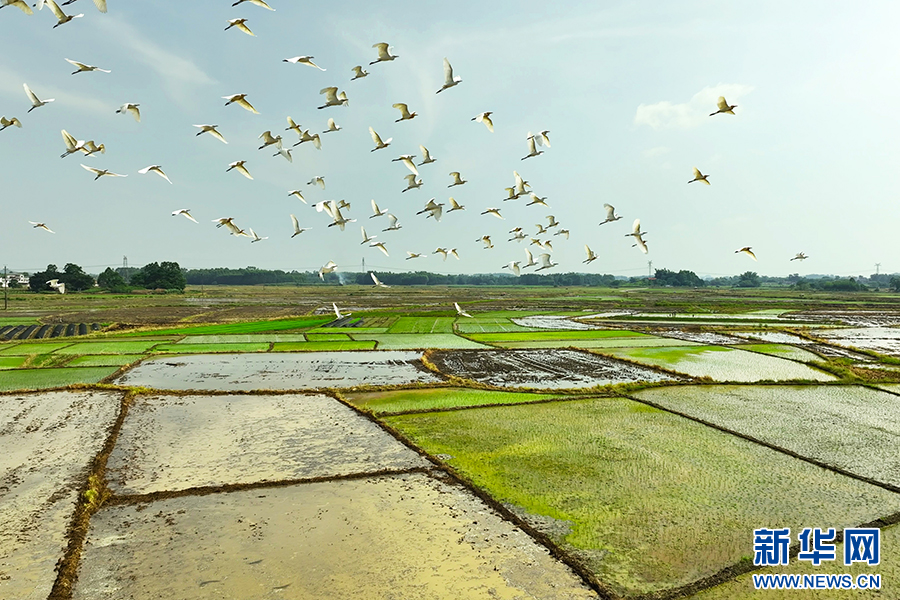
(332, 126)
(637, 226)
(392, 219)
(295, 223)
(245, 104)
(56, 10)
(31, 96)
(91, 169)
(448, 72)
(425, 154)
(382, 51)
(531, 147)
(101, 5)
(71, 142)
(403, 108)
(232, 227)
(81, 66)
(410, 165)
(262, 3)
(545, 260)
(543, 140)
(610, 211)
(330, 94)
(488, 123)
(588, 251)
(375, 137)
(722, 104)
(22, 5)
(519, 181)
(516, 269)
(212, 131)
(697, 173)
(135, 112)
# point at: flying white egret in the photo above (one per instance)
(380, 246)
(317, 180)
(132, 108)
(184, 211)
(285, 153)
(377, 139)
(543, 139)
(636, 230)
(332, 126)
(454, 253)
(377, 282)
(339, 219)
(723, 107)
(551, 221)
(61, 17)
(56, 285)
(591, 255)
(531, 262)
(411, 255)
(426, 156)
(511, 194)
(698, 176)
(41, 226)
(384, 53)
(227, 221)
(610, 214)
(328, 267)
(488, 244)
(433, 209)
(303, 60)
(546, 263)
(305, 136)
(518, 236)
(457, 179)
(521, 184)
(332, 98)
(495, 212)
(442, 251)
(256, 2)
(297, 229)
(378, 212)
(564, 232)
(454, 205)
(91, 147)
(540, 229)
(156, 169)
(514, 267)
(359, 72)
(461, 312)
(365, 237)
(746, 250)
(532, 149)
(298, 194)
(85, 68)
(240, 24)
(268, 140)
(294, 127)
(20, 4)
(240, 100)
(485, 118)
(256, 237)
(394, 223)
(407, 159)
(547, 245)
(101, 172)
(211, 129)
(338, 313)
(72, 145)
(4, 123)
(800, 256)
(238, 166)
(35, 101)
(449, 79)
(412, 183)
(535, 199)
(405, 115)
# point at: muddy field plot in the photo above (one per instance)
(540, 368)
(48, 442)
(280, 371)
(405, 536)
(851, 427)
(170, 443)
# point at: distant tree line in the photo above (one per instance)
(165, 275)
(72, 275)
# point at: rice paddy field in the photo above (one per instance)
(562, 443)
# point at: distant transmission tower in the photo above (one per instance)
(364, 264)
(649, 269)
(877, 266)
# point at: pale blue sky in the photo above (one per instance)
(807, 164)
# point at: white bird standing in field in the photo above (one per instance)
(20, 4)
(303, 60)
(365, 237)
(485, 118)
(380, 246)
(407, 159)
(256, 237)
(532, 149)
(332, 98)
(591, 256)
(332, 126)
(329, 267)
(405, 115)
(394, 223)
(426, 156)
(454, 205)
(240, 100)
(61, 17)
(101, 172)
(4, 123)
(384, 53)
(723, 107)
(317, 180)
(132, 108)
(379, 145)
(457, 179)
(698, 176)
(35, 101)
(240, 24)
(155, 169)
(72, 145)
(610, 214)
(238, 166)
(377, 211)
(40, 226)
(256, 2)
(359, 73)
(746, 250)
(211, 130)
(495, 212)
(84, 68)
(546, 263)
(800, 256)
(184, 211)
(449, 79)
(461, 312)
(412, 183)
(297, 229)
(269, 140)
(377, 282)
(514, 267)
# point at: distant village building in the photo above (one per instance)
(19, 279)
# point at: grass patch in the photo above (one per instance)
(423, 325)
(4, 321)
(648, 500)
(34, 348)
(413, 341)
(108, 360)
(247, 327)
(496, 325)
(323, 346)
(243, 339)
(212, 348)
(12, 362)
(28, 379)
(561, 334)
(137, 347)
(327, 337)
(396, 401)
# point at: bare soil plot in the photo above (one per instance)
(851, 427)
(540, 368)
(172, 443)
(650, 501)
(407, 536)
(48, 442)
(279, 371)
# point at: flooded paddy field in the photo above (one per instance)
(165, 444)
(880, 339)
(540, 368)
(279, 371)
(400, 401)
(47, 443)
(780, 351)
(406, 536)
(850, 427)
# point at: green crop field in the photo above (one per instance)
(211, 348)
(246, 327)
(11, 362)
(105, 360)
(27, 379)
(495, 325)
(323, 346)
(130, 347)
(423, 325)
(346, 330)
(398, 401)
(34, 348)
(413, 341)
(648, 500)
(327, 337)
(619, 342)
(780, 350)
(243, 339)
(560, 334)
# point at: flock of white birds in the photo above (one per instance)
(537, 145)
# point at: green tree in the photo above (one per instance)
(38, 281)
(748, 279)
(75, 278)
(165, 275)
(895, 284)
(112, 281)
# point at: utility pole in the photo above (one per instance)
(5, 289)
(364, 264)
(649, 269)
(877, 266)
